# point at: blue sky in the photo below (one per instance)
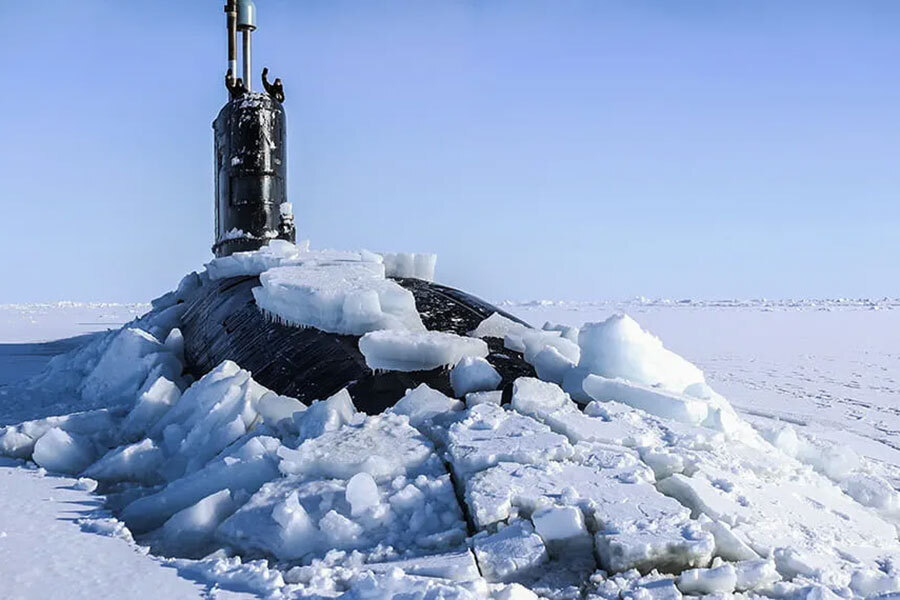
(542, 149)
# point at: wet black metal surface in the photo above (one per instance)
(251, 172)
(223, 322)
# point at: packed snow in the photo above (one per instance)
(619, 472)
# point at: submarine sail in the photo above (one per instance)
(250, 152)
(221, 320)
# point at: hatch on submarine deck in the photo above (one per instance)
(222, 320)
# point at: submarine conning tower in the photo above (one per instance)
(250, 151)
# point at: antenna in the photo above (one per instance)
(231, 11)
(246, 23)
(241, 17)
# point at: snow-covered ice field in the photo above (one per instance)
(829, 367)
(645, 483)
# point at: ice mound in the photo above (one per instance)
(418, 350)
(620, 348)
(62, 452)
(295, 518)
(423, 404)
(418, 266)
(513, 553)
(213, 413)
(348, 298)
(242, 470)
(139, 462)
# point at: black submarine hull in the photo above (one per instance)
(223, 322)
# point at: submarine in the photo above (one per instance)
(221, 319)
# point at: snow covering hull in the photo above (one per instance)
(222, 322)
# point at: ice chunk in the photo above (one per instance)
(637, 527)
(253, 263)
(149, 408)
(532, 396)
(513, 553)
(476, 398)
(869, 583)
(349, 298)
(498, 326)
(537, 340)
(873, 491)
(295, 518)
(175, 343)
(754, 574)
(652, 400)
(423, 404)
(609, 422)
(728, 545)
(620, 348)
(15, 443)
(489, 434)
(325, 415)
(418, 266)
(669, 547)
(135, 462)
(214, 412)
(362, 493)
(720, 580)
(123, 367)
(566, 331)
(563, 530)
(190, 529)
(572, 383)
(417, 351)
(244, 470)
(61, 452)
(455, 566)
(835, 462)
(473, 374)
(274, 408)
(385, 446)
(551, 365)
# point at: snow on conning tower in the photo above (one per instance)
(251, 154)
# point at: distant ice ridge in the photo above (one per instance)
(617, 473)
(885, 303)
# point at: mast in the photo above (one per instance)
(250, 151)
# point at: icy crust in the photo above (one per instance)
(418, 351)
(418, 266)
(351, 298)
(335, 291)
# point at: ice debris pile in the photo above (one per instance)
(618, 473)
